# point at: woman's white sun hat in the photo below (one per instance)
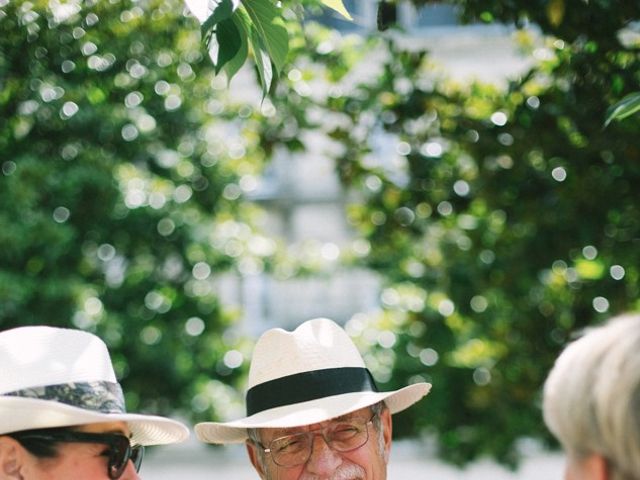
(56, 377)
(303, 377)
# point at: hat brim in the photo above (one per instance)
(18, 413)
(310, 412)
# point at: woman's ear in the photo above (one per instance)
(11, 453)
(599, 467)
(591, 467)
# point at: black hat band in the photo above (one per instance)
(305, 386)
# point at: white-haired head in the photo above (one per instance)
(592, 396)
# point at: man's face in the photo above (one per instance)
(368, 462)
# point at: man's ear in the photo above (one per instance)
(387, 432)
(254, 456)
(11, 455)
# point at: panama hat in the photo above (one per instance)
(55, 377)
(307, 376)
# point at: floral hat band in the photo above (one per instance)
(58, 377)
(99, 396)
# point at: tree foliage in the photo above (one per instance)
(502, 220)
(120, 165)
(233, 28)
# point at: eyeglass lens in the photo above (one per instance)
(344, 436)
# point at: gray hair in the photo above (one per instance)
(376, 410)
(592, 396)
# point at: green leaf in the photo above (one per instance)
(222, 12)
(269, 26)
(229, 42)
(263, 61)
(234, 64)
(386, 16)
(624, 108)
(339, 7)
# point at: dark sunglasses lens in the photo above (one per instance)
(118, 457)
(137, 453)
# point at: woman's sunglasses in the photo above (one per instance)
(120, 448)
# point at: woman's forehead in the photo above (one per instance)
(106, 427)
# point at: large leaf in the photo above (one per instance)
(269, 26)
(624, 108)
(263, 61)
(235, 63)
(223, 10)
(339, 7)
(229, 42)
(203, 10)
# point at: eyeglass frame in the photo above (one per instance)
(115, 441)
(312, 433)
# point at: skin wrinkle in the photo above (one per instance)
(345, 470)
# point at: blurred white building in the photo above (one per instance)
(304, 206)
(302, 196)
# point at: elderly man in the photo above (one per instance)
(313, 409)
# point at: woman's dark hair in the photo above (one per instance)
(36, 446)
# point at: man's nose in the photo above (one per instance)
(323, 460)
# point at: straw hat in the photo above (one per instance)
(307, 376)
(55, 377)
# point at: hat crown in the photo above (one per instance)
(305, 377)
(317, 344)
(40, 356)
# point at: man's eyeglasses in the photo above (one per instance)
(340, 436)
(119, 453)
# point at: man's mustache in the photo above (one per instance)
(348, 471)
